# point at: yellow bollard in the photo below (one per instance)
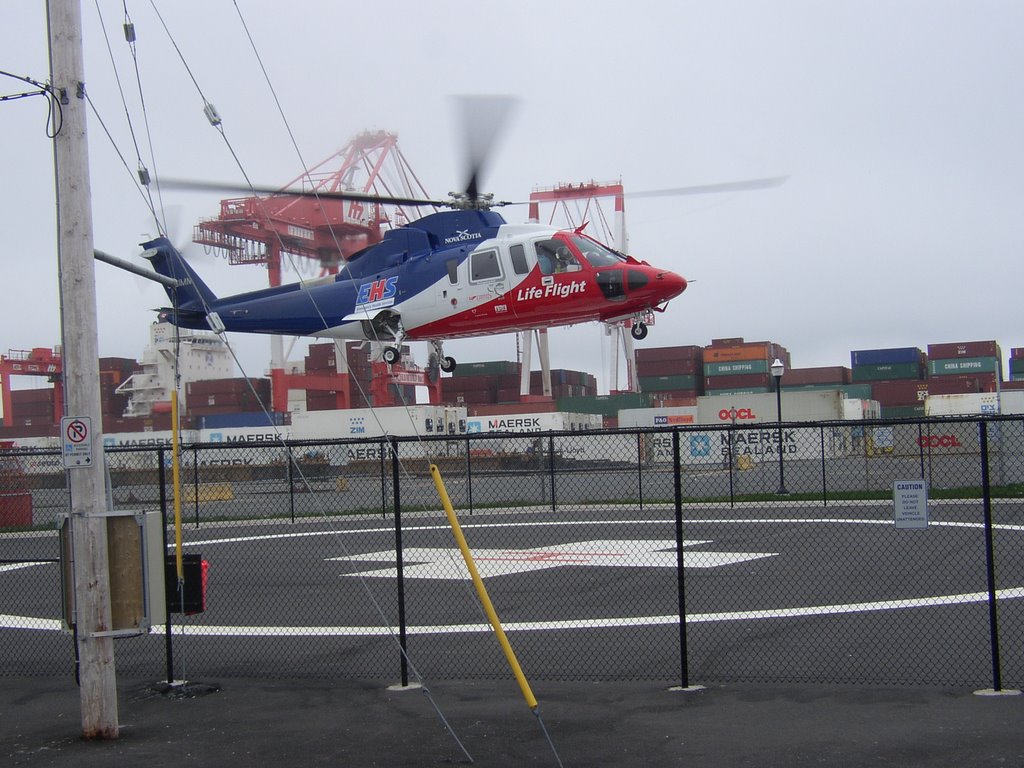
(481, 591)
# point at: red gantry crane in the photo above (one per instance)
(580, 205)
(267, 229)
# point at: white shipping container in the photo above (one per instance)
(657, 417)
(534, 422)
(1011, 401)
(798, 405)
(374, 422)
(855, 409)
(971, 404)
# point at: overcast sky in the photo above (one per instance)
(900, 125)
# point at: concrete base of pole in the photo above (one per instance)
(1001, 692)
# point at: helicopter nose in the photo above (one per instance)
(670, 284)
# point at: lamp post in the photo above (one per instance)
(778, 368)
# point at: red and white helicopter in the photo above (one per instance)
(453, 273)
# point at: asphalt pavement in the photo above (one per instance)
(257, 722)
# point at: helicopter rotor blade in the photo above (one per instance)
(242, 189)
(708, 189)
(483, 117)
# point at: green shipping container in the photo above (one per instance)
(739, 366)
(902, 411)
(487, 368)
(1017, 365)
(667, 383)
(886, 372)
(963, 365)
(606, 405)
(740, 391)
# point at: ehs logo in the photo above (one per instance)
(739, 414)
(378, 293)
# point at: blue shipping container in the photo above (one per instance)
(885, 356)
(247, 419)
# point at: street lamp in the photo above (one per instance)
(778, 368)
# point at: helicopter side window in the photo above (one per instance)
(484, 265)
(554, 257)
(453, 271)
(518, 254)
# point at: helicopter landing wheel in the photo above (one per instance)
(391, 355)
(638, 331)
(448, 364)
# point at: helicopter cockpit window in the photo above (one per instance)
(518, 254)
(595, 253)
(484, 265)
(554, 257)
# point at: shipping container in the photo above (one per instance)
(833, 374)
(606, 405)
(493, 409)
(657, 417)
(1017, 365)
(797, 405)
(858, 410)
(667, 383)
(738, 381)
(671, 354)
(486, 368)
(244, 419)
(899, 392)
(856, 391)
(670, 367)
(963, 349)
(902, 411)
(734, 368)
(375, 422)
(1016, 352)
(1011, 403)
(897, 355)
(754, 351)
(962, 365)
(540, 421)
(960, 385)
(887, 371)
(978, 404)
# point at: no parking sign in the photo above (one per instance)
(76, 441)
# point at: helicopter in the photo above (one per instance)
(462, 271)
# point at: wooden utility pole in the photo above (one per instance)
(97, 679)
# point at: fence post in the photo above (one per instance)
(732, 462)
(289, 459)
(990, 571)
(383, 483)
(168, 644)
(680, 578)
(399, 563)
(469, 476)
(640, 471)
(824, 475)
(195, 481)
(551, 468)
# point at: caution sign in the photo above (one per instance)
(910, 498)
(76, 441)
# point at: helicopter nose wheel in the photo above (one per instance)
(391, 355)
(638, 331)
(448, 364)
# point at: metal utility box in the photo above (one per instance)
(135, 554)
(191, 598)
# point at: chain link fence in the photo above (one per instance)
(766, 553)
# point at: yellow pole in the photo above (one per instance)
(481, 591)
(176, 487)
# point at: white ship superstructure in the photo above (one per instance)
(201, 355)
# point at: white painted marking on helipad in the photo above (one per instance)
(437, 562)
